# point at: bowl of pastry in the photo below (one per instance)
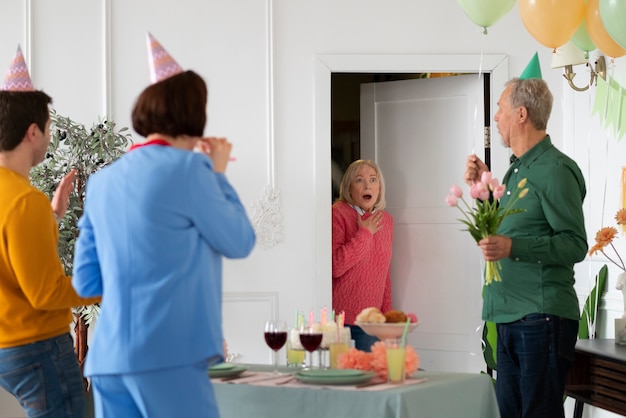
(385, 325)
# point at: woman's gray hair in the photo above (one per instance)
(535, 96)
(348, 178)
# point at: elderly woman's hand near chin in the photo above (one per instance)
(218, 150)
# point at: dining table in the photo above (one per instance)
(256, 392)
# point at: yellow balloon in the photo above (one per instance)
(598, 33)
(552, 22)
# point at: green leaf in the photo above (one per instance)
(590, 308)
(490, 339)
(71, 148)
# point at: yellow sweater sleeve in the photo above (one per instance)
(35, 294)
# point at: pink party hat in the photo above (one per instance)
(161, 63)
(17, 78)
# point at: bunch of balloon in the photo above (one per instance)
(598, 32)
(581, 38)
(553, 22)
(613, 16)
(486, 12)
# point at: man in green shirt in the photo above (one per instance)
(535, 307)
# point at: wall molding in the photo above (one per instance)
(269, 298)
(107, 59)
(268, 218)
(28, 33)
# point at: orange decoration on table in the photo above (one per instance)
(376, 360)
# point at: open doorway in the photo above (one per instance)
(345, 115)
(328, 64)
(446, 341)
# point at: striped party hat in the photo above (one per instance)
(18, 78)
(162, 65)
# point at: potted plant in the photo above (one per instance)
(73, 146)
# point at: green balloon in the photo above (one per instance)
(581, 38)
(486, 12)
(613, 16)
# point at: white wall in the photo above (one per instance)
(259, 58)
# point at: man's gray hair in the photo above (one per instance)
(535, 96)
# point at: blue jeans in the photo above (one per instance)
(362, 340)
(534, 355)
(45, 378)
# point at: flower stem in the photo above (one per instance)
(613, 261)
(619, 257)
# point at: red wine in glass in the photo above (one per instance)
(276, 340)
(275, 337)
(311, 341)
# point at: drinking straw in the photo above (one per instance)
(406, 331)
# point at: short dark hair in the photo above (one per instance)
(18, 110)
(174, 106)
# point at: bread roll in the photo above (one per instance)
(371, 314)
(394, 316)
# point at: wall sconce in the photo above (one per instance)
(569, 55)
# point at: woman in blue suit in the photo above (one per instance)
(156, 225)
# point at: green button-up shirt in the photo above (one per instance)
(547, 239)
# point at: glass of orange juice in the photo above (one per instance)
(395, 360)
(295, 351)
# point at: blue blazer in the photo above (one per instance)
(155, 226)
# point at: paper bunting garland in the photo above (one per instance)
(610, 105)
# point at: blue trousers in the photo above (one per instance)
(534, 355)
(362, 340)
(184, 391)
(45, 378)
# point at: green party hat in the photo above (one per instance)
(532, 70)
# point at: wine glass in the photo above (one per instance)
(310, 340)
(276, 337)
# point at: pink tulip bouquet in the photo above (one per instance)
(485, 217)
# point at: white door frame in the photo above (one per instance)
(496, 65)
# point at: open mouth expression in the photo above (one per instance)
(365, 187)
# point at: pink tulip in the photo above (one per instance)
(456, 190)
(451, 200)
(498, 192)
(486, 177)
(476, 190)
(493, 184)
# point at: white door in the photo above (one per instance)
(420, 133)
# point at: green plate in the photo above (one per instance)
(226, 372)
(334, 376)
(222, 366)
(332, 373)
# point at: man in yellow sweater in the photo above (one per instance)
(37, 361)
